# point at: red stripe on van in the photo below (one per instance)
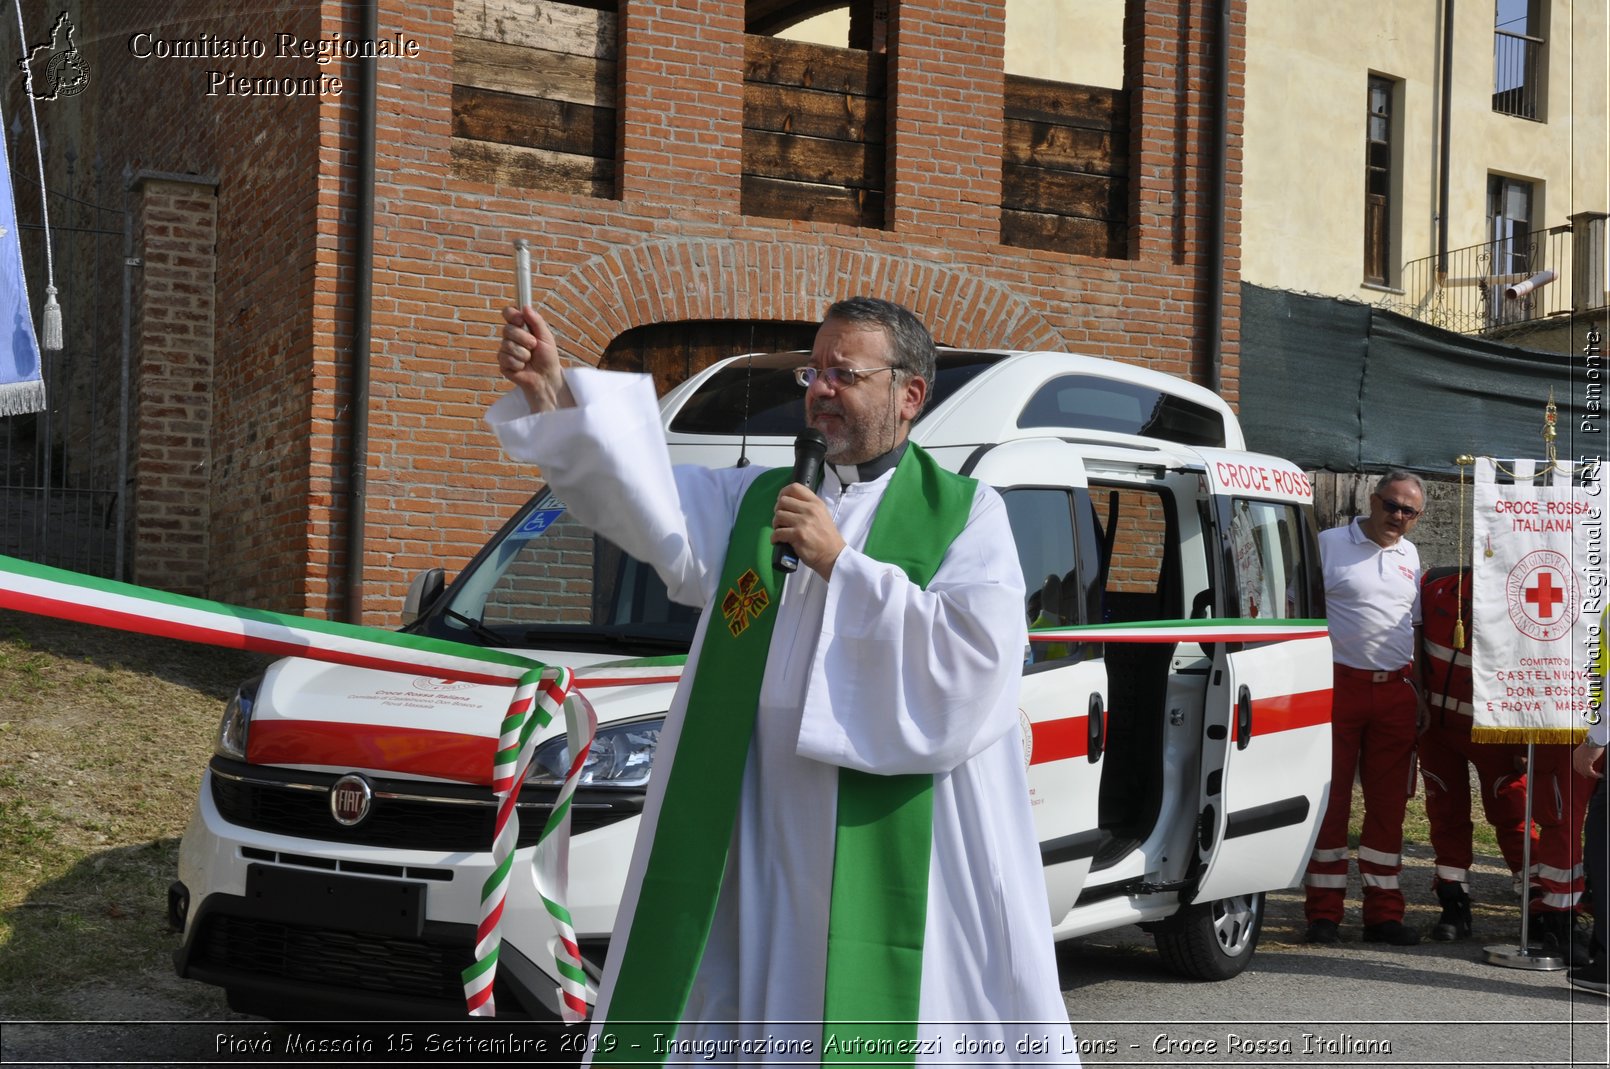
(596, 682)
(1058, 740)
(1288, 712)
(419, 751)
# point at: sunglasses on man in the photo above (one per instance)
(1394, 508)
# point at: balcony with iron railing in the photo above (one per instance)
(1480, 289)
(1517, 74)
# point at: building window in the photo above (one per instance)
(1510, 203)
(1518, 55)
(1380, 165)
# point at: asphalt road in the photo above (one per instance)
(1438, 1004)
(1354, 1004)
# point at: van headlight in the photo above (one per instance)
(237, 721)
(621, 756)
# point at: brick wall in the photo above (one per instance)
(1136, 565)
(275, 162)
(946, 120)
(172, 384)
(671, 246)
(679, 119)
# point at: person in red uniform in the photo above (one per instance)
(1447, 756)
(1559, 806)
(1372, 597)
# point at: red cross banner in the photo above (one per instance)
(1531, 654)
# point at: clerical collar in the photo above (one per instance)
(871, 469)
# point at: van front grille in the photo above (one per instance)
(404, 814)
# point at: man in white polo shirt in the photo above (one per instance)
(1372, 597)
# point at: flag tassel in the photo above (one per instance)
(51, 340)
(51, 328)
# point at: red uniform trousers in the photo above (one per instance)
(1446, 755)
(1559, 807)
(1372, 735)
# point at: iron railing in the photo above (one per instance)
(1481, 288)
(63, 471)
(1517, 70)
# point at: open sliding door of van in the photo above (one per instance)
(1063, 705)
(1266, 766)
(1266, 726)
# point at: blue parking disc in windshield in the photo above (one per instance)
(536, 523)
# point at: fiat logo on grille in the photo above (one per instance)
(349, 800)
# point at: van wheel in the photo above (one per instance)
(1211, 940)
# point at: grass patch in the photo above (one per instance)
(103, 738)
(1417, 830)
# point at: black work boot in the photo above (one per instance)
(1555, 934)
(1455, 920)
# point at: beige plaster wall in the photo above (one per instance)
(1308, 65)
(1064, 40)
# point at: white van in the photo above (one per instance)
(1178, 753)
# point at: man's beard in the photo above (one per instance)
(855, 443)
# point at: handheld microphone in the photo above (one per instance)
(810, 448)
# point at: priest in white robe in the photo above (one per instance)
(868, 676)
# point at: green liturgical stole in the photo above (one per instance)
(885, 823)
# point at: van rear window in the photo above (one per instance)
(775, 405)
(1093, 403)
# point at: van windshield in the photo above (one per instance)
(546, 579)
(758, 396)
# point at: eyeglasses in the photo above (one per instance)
(1395, 509)
(838, 378)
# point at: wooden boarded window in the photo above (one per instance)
(534, 94)
(1065, 167)
(813, 132)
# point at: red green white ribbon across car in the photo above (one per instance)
(540, 694)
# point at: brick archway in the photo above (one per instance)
(693, 279)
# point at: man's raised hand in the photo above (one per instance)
(529, 358)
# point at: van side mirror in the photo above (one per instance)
(422, 593)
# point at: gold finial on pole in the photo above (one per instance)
(1550, 432)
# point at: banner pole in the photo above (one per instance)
(1523, 957)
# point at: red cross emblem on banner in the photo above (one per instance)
(745, 603)
(1545, 595)
(1542, 596)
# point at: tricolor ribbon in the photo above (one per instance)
(540, 694)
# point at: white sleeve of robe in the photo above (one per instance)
(632, 497)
